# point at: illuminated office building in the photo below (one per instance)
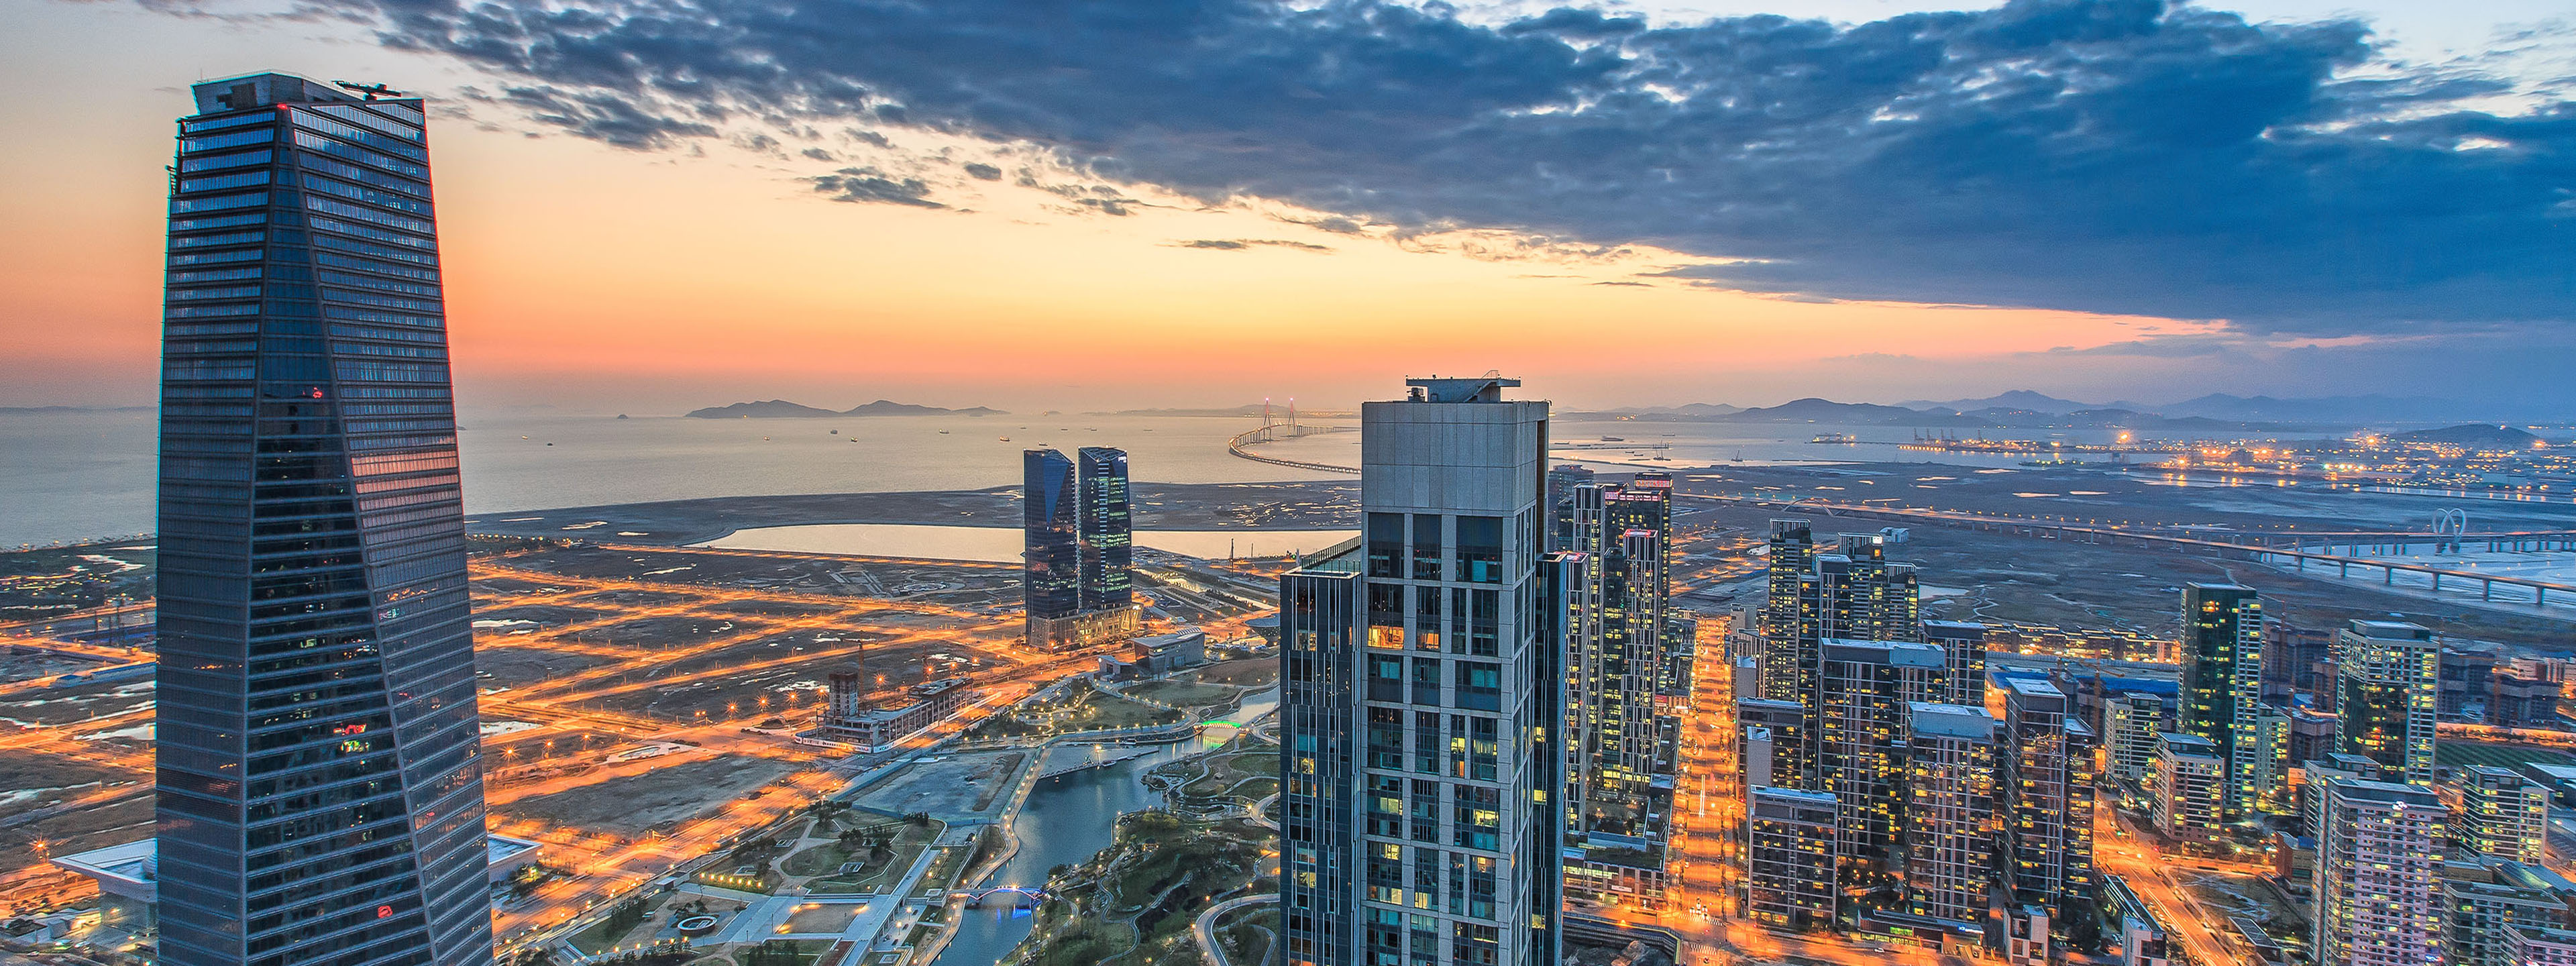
(1420, 811)
(1104, 529)
(2480, 909)
(2387, 684)
(1770, 738)
(318, 766)
(1852, 594)
(2222, 686)
(2131, 720)
(1077, 548)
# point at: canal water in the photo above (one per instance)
(1067, 820)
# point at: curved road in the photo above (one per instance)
(1205, 927)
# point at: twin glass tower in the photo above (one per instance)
(321, 792)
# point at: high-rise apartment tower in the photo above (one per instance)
(1420, 813)
(2387, 687)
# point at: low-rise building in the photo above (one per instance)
(129, 881)
(880, 728)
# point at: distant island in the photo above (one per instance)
(782, 409)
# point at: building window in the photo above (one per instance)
(1480, 550)
(1426, 546)
(1385, 543)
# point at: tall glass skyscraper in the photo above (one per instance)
(319, 771)
(1050, 564)
(1076, 574)
(2222, 685)
(1107, 532)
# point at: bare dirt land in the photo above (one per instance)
(966, 786)
(72, 705)
(666, 795)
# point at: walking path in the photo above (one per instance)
(1205, 927)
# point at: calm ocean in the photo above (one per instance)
(69, 476)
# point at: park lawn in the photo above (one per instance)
(824, 859)
(908, 843)
(599, 937)
(942, 872)
(1250, 773)
(1101, 709)
(1185, 694)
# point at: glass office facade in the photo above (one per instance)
(1108, 538)
(1050, 568)
(319, 771)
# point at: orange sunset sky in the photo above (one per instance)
(598, 278)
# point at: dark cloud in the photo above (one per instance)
(983, 172)
(1239, 244)
(818, 154)
(1630, 284)
(2123, 156)
(870, 184)
(605, 116)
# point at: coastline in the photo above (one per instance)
(1249, 507)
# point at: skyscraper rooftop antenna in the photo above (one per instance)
(372, 91)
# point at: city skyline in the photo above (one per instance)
(948, 306)
(1493, 678)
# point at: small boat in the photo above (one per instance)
(943, 432)
(1614, 439)
(1835, 438)
(1739, 456)
(1006, 439)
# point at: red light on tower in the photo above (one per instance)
(384, 912)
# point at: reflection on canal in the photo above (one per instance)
(1066, 820)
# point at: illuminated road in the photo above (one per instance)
(2150, 875)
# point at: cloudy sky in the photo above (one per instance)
(656, 205)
